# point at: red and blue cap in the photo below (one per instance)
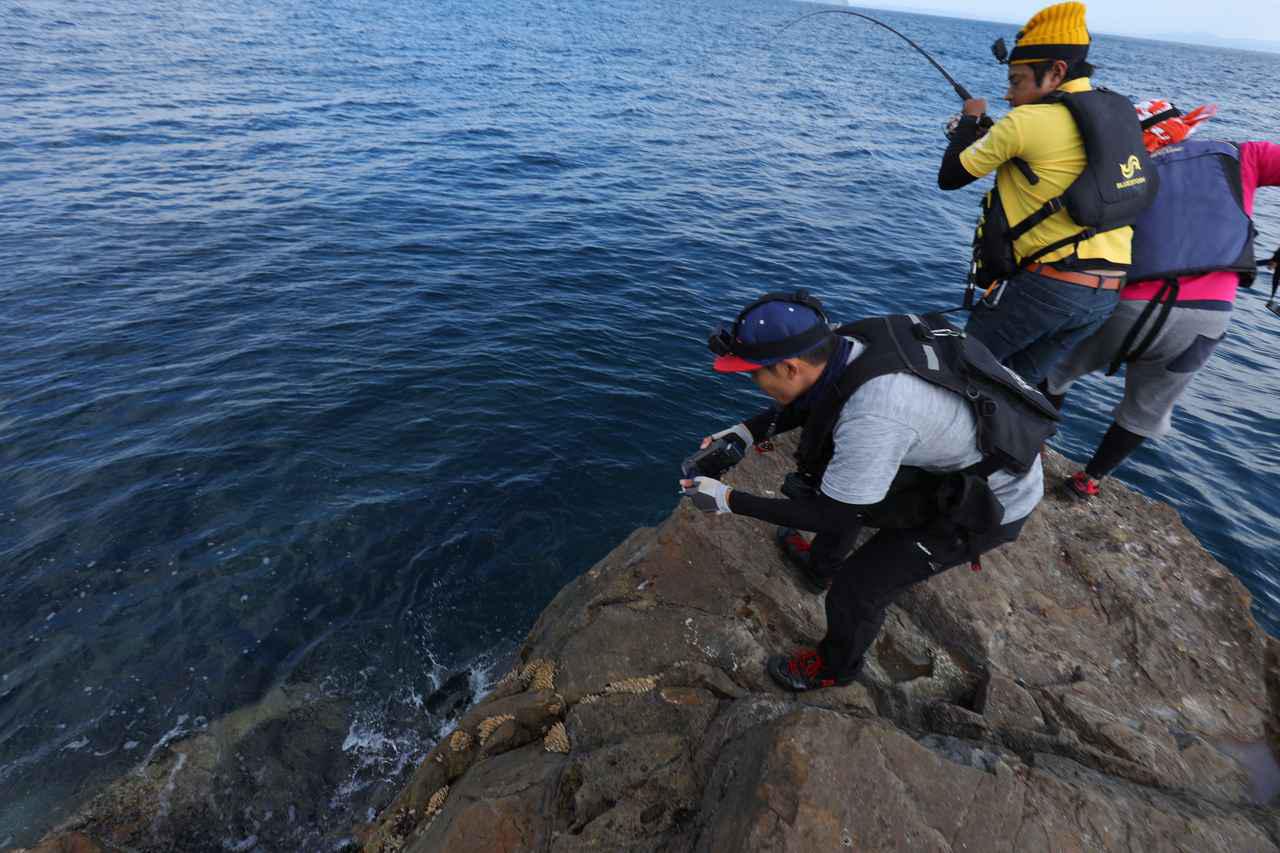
(775, 327)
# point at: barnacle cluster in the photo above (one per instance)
(490, 725)
(556, 739)
(436, 803)
(543, 676)
(642, 684)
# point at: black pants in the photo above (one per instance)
(867, 582)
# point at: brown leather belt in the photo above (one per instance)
(1084, 279)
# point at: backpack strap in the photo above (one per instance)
(1164, 300)
(1049, 208)
(1025, 168)
(1073, 240)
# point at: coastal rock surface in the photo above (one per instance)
(1099, 685)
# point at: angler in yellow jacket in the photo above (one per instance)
(1072, 174)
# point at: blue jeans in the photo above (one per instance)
(1039, 320)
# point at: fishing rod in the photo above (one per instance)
(960, 90)
(993, 294)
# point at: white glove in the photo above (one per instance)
(740, 430)
(951, 125)
(707, 494)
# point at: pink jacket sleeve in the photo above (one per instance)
(1259, 167)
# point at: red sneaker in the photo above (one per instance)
(1083, 486)
(797, 551)
(804, 671)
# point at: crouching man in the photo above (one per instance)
(909, 427)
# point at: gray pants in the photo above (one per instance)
(1154, 382)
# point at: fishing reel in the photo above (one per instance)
(984, 124)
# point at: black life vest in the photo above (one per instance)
(1117, 184)
(1197, 223)
(1013, 419)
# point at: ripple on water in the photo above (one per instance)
(338, 337)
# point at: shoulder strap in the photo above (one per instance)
(882, 355)
(1234, 177)
(1247, 271)
(1049, 208)
(879, 358)
(887, 351)
(1053, 205)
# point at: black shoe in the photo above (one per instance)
(796, 550)
(804, 671)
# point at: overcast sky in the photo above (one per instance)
(1240, 19)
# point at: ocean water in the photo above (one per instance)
(340, 334)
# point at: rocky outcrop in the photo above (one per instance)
(1099, 685)
(210, 789)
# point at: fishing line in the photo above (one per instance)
(955, 84)
(960, 90)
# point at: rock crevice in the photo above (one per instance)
(1099, 685)
(1068, 696)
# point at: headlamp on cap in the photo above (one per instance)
(720, 341)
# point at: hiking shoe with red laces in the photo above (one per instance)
(1083, 486)
(804, 671)
(796, 549)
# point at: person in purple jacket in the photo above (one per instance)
(1192, 248)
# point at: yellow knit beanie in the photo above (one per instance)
(1055, 32)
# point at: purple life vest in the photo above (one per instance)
(1197, 223)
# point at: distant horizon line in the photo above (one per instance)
(1199, 39)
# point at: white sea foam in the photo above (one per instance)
(381, 750)
(167, 792)
(173, 734)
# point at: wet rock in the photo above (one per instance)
(502, 805)
(285, 751)
(66, 842)
(452, 697)
(1099, 685)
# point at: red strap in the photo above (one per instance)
(976, 565)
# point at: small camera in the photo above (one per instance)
(716, 458)
(1000, 51)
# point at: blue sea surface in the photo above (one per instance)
(340, 334)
